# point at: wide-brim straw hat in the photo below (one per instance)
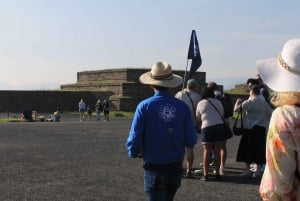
(161, 75)
(282, 74)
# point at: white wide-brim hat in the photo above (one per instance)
(282, 74)
(161, 75)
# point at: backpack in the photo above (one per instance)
(99, 107)
(227, 105)
(89, 110)
(105, 106)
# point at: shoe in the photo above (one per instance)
(204, 178)
(198, 171)
(188, 175)
(201, 164)
(253, 167)
(222, 171)
(212, 163)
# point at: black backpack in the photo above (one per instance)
(227, 105)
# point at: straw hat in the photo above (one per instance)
(161, 75)
(282, 74)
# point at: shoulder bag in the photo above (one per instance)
(198, 130)
(227, 131)
(239, 130)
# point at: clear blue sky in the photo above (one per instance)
(44, 43)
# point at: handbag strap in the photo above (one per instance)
(216, 110)
(237, 118)
(187, 93)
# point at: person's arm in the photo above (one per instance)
(198, 115)
(237, 105)
(134, 142)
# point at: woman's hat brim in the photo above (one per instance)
(276, 77)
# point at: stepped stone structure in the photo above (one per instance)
(121, 86)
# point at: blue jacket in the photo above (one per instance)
(161, 129)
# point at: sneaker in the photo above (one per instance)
(212, 163)
(188, 175)
(222, 171)
(204, 178)
(198, 171)
(253, 167)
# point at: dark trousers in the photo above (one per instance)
(161, 182)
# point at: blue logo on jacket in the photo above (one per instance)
(167, 112)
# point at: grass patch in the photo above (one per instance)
(118, 114)
(121, 114)
(5, 120)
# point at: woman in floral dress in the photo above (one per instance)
(280, 180)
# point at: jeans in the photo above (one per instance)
(161, 182)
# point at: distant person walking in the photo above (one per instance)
(89, 112)
(106, 108)
(228, 112)
(82, 108)
(98, 108)
(209, 115)
(161, 129)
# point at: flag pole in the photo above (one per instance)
(187, 61)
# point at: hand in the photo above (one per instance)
(239, 101)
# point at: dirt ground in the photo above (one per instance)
(87, 161)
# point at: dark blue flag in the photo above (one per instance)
(194, 54)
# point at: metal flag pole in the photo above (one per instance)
(187, 61)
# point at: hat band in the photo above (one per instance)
(286, 66)
(163, 77)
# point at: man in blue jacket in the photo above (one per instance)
(161, 129)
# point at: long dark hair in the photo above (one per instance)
(207, 92)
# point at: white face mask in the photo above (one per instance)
(217, 93)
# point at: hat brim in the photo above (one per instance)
(175, 81)
(276, 77)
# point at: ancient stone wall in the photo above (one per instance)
(120, 86)
(49, 101)
(46, 101)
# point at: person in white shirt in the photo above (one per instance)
(191, 97)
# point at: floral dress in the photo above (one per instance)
(280, 180)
